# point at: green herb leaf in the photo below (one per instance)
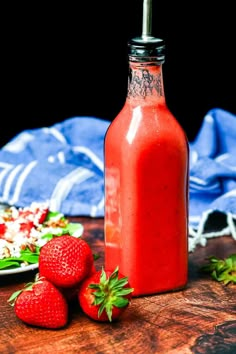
(47, 236)
(221, 270)
(30, 257)
(9, 263)
(54, 214)
(73, 229)
(26, 256)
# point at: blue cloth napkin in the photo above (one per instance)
(63, 165)
(213, 178)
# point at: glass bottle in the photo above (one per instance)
(146, 180)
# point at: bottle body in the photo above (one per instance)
(146, 189)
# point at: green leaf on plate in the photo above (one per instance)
(9, 263)
(73, 229)
(54, 214)
(30, 257)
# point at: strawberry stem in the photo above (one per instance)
(110, 292)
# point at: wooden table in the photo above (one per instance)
(198, 319)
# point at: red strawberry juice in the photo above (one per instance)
(146, 188)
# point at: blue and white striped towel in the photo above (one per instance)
(213, 178)
(63, 165)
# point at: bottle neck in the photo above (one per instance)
(145, 83)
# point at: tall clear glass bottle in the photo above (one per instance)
(146, 180)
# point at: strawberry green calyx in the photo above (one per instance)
(41, 304)
(14, 296)
(27, 287)
(111, 292)
(222, 270)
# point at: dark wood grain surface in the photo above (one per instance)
(199, 319)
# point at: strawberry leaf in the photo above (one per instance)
(110, 292)
(96, 256)
(13, 297)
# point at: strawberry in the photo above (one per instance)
(40, 304)
(71, 293)
(65, 261)
(105, 295)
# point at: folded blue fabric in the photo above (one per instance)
(63, 165)
(213, 178)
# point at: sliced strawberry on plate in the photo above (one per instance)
(2, 230)
(26, 227)
(35, 214)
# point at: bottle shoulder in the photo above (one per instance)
(146, 123)
(149, 116)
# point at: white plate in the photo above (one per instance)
(19, 269)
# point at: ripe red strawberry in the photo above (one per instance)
(65, 261)
(40, 304)
(71, 293)
(105, 295)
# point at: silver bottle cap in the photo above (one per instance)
(151, 48)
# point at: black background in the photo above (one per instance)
(70, 60)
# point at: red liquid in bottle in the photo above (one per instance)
(146, 188)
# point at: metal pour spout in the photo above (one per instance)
(147, 46)
(147, 20)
